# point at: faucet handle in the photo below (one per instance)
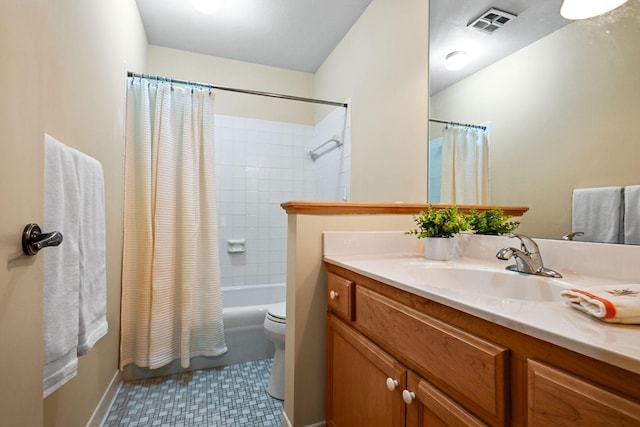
(571, 236)
(527, 245)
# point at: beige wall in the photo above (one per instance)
(91, 44)
(382, 65)
(304, 399)
(183, 65)
(563, 115)
(22, 34)
(388, 91)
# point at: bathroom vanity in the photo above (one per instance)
(403, 353)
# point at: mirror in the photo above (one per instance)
(563, 111)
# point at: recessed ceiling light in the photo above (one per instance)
(208, 7)
(456, 60)
(582, 9)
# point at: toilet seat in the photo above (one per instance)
(277, 312)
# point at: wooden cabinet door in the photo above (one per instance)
(558, 398)
(470, 369)
(357, 376)
(432, 408)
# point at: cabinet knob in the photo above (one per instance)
(408, 396)
(392, 384)
(333, 295)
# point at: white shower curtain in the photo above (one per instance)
(171, 301)
(465, 166)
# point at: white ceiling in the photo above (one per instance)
(292, 34)
(448, 32)
(300, 34)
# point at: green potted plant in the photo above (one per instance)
(492, 222)
(440, 227)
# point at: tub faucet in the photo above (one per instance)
(528, 258)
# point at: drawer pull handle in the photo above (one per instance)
(392, 384)
(333, 295)
(408, 396)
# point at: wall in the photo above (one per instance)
(304, 400)
(90, 46)
(183, 65)
(387, 88)
(332, 170)
(382, 66)
(260, 164)
(22, 35)
(563, 113)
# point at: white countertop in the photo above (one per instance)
(551, 321)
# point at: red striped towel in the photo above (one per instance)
(611, 303)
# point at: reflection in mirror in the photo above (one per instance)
(459, 165)
(563, 108)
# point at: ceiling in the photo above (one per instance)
(292, 34)
(448, 32)
(300, 34)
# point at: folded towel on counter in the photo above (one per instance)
(598, 213)
(632, 215)
(611, 303)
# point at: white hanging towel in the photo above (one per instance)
(61, 270)
(92, 302)
(598, 213)
(632, 215)
(74, 273)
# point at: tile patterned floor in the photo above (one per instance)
(230, 396)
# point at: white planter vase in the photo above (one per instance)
(440, 248)
(446, 248)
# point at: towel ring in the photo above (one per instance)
(33, 239)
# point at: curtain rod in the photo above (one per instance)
(459, 124)
(231, 89)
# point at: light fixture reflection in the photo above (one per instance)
(582, 9)
(456, 60)
(208, 7)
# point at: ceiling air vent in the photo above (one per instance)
(491, 20)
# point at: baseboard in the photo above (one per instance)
(285, 420)
(287, 423)
(102, 410)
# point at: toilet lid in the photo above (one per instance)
(279, 310)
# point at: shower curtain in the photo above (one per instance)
(171, 300)
(465, 166)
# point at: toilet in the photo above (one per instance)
(274, 329)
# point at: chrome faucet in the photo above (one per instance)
(571, 236)
(528, 258)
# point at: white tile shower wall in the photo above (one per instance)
(259, 165)
(333, 169)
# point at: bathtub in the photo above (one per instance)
(243, 312)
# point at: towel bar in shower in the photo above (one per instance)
(33, 239)
(314, 153)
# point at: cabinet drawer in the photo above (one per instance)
(563, 399)
(471, 370)
(340, 296)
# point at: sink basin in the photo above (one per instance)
(490, 282)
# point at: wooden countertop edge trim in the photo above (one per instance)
(311, 207)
